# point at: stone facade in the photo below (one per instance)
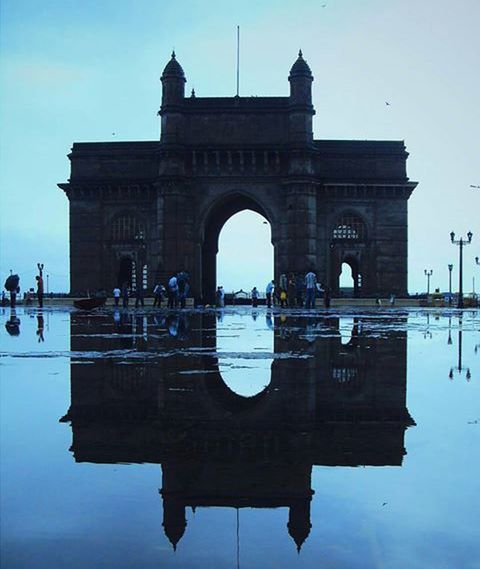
(145, 210)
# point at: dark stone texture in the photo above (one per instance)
(218, 156)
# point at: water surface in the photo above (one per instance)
(240, 438)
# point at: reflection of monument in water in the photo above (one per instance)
(328, 403)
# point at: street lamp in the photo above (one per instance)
(460, 242)
(450, 268)
(428, 274)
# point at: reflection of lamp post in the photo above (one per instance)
(477, 261)
(459, 369)
(428, 274)
(460, 242)
(450, 268)
(48, 277)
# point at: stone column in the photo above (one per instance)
(301, 228)
(176, 246)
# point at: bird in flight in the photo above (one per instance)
(472, 186)
(387, 103)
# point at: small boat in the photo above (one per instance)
(89, 303)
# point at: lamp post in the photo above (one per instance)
(428, 274)
(48, 277)
(450, 268)
(460, 242)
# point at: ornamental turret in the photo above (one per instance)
(173, 83)
(301, 79)
(301, 109)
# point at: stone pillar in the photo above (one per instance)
(176, 246)
(301, 228)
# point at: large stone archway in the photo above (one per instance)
(218, 214)
(217, 156)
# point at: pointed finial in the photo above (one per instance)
(193, 93)
(300, 54)
(173, 53)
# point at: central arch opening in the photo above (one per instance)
(246, 255)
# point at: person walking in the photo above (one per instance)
(139, 296)
(326, 296)
(40, 286)
(158, 294)
(183, 287)
(311, 287)
(12, 285)
(173, 292)
(269, 292)
(116, 295)
(291, 291)
(125, 295)
(254, 295)
(299, 290)
(220, 297)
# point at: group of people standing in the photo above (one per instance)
(176, 292)
(295, 290)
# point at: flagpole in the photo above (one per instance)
(238, 61)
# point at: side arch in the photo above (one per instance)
(349, 237)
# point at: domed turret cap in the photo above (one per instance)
(300, 68)
(173, 69)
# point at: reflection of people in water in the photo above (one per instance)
(268, 320)
(13, 324)
(40, 327)
(177, 325)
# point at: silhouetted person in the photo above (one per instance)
(39, 280)
(254, 297)
(172, 292)
(125, 295)
(299, 290)
(12, 285)
(311, 287)
(117, 293)
(269, 293)
(326, 297)
(158, 293)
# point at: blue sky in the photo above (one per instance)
(78, 71)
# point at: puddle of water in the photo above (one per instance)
(349, 435)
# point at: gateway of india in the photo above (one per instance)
(143, 211)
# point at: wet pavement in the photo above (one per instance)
(240, 438)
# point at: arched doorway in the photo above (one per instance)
(214, 223)
(245, 253)
(347, 255)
